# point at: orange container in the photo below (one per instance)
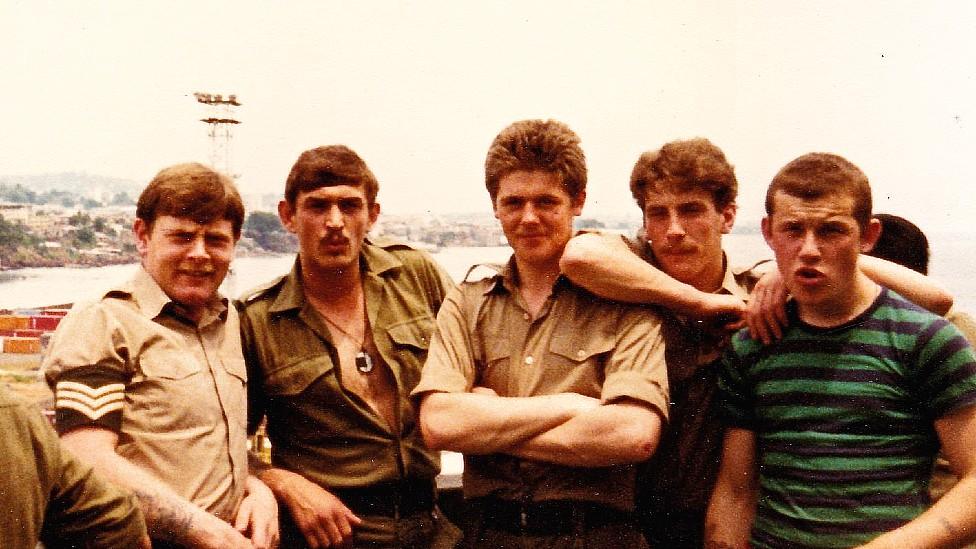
(22, 345)
(14, 322)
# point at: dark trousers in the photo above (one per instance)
(673, 529)
(497, 524)
(420, 530)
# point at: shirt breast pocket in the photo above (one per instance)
(496, 372)
(576, 362)
(297, 376)
(413, 334)
(171, 365)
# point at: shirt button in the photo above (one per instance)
(525, 316)
(529, 360)
(580, 354)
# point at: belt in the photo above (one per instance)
(546, 518)
(390, 499)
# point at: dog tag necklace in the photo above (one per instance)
(364, 362)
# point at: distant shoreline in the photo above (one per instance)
(101, 261)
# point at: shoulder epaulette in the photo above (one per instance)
(260, 291)
(767, 264)
(390, 244)
(483, 271)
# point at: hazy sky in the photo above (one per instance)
(419, 89)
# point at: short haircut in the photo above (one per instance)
(330, 166)
(815, 175)
(902, 242)
(537, 145)
(685, 165)
(191, 191)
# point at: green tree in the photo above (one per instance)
(19, 194)
(262, 223)
(268, 233)
(85, 237)
(13, 235)
(122, 198)
(79, 219)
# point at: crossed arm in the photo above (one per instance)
(169, 516)
(567, 428)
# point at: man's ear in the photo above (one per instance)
(578, 203)
(142, 231)
(767, 230)
(728, 217)
(870, 235)
(374, 214)
(286, 212)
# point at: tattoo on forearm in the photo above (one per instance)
(948, 526)
(164, 520)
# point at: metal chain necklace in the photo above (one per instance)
(364, 362)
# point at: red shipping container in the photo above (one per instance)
(45, 322)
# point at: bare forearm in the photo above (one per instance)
(728, 522)
(280, 481)
(613, 434)
(950, 522)
(605, 265)
(732, 507)
(168, 516)
(916, 287)
(483, 424)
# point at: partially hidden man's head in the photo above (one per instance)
(902, 242)
(330, 166)
(188, 220)
(537, 145)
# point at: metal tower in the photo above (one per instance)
(220, 121)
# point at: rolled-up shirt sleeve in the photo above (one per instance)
(636, 369)
(450, 365)
(86, 367)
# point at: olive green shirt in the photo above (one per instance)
(47, 495)
(317, 428)
(680, 476)
(579, 343)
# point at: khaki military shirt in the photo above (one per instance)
(48, 495)
(318, 428)
(174, 391)
(680, 476)
(579, 343)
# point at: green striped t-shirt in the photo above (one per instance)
(843, 419)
